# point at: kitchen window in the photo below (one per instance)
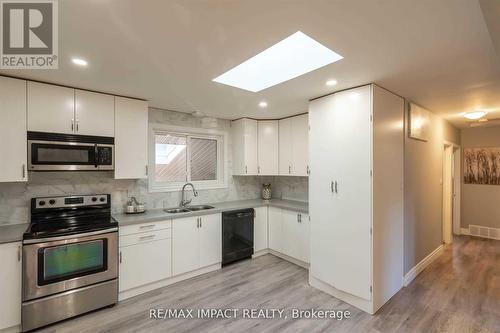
(178, 157)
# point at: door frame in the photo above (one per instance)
(451, 166)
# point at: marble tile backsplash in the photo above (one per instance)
(15, 197)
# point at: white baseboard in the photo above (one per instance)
(166, 282)
(412, 274)
(289, 259)
(260, 253)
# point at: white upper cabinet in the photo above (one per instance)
(94, 113)
(244, 135)
(285, 147)
(51, 108)
(268, 147)
(300, 140)
(293, 146)
(131, 138)
(13, 146)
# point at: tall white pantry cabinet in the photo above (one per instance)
(356, 195)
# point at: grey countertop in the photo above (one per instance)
(154, 215)
(12, 232)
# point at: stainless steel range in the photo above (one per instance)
(70, 261)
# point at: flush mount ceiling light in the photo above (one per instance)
(79, 62)
(331, 82)
(293, 56)
(263, 104)
(475, 115)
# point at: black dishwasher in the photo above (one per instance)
(237, 235)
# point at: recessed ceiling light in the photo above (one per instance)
(475, 115)
(263, 104)
(291, 57)
(331, 82)
(79, 62)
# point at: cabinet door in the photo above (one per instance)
(260, 229)
(10, 288)
(131, 138)
(300, 139)
(275, 223)
(303, 242)
(13, 146)
(341, 219)
(250, 148)
(268, 139)
(185, 245)
(285, 147)
(144, 263)
(51, 108)
(94, 113)
(210, 239)
(289, 233)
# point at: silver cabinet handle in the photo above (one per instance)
(246, 169)
(258, 169)
(336, 189)
(143, 238)
(23, 171)
(19, 253)
(300, 218)
(307, 170)
(146, 168)
(77, 121)
(197, 222)
(289, 169)
(331, 186)
(201, 223)
(72, 125)
(120, 257)
(147, 226)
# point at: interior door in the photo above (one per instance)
(185, 245)
(340, 190)
(210, 239)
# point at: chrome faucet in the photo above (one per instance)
(185, 202)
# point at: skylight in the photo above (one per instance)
(292, 57)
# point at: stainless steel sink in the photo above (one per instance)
(200, 207)
(176, 210)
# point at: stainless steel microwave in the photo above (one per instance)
(68, 152)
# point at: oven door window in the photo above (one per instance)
(69, 261)
(56, 154)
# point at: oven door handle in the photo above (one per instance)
(96, 155)
(72, 236)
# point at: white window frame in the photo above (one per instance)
(222, 157)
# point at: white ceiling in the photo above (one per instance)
(438, 54)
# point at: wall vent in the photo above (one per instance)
(485, 232)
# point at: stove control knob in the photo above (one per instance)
(52, 201)
(94, 199)
(41, 203)
(102, 199)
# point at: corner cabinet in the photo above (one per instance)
(196, 243)
(267, 151)
(13, 146)
(355, 195)
(131, 138)
(244, 134)
(10, 288)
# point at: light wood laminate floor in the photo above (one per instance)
(459, 292)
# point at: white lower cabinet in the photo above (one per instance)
(289, 233)
(144, 257)
(260, 230)
(197, 242)
(10, 288)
